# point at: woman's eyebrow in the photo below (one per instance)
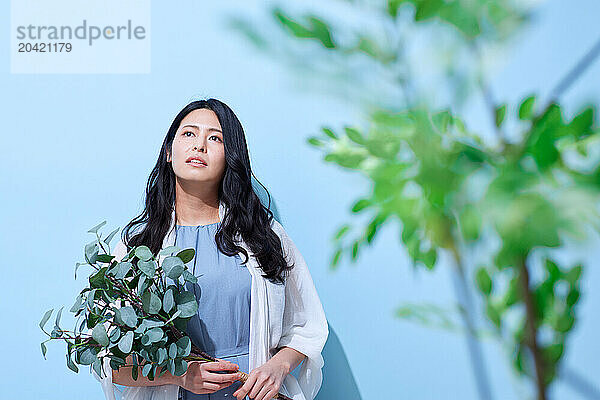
(197, 127)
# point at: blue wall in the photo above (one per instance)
(78, 149)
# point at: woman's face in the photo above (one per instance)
(200, 137)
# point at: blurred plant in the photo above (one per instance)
(450, 190)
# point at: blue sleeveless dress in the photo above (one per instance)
(221, 327)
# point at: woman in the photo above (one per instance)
(259, 311)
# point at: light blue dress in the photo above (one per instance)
(221, 327)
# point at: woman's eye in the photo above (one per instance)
(214, 136)
(186, 132)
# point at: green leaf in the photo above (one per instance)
(315, 142)
(151, 303)
(493, 314)
(45, 318)
(180, 366)
(553, 352)
(126, 342)
(484, 282)
(155, 334)
(98, 280)
(91, 252)
(97, 366)
(361, 205)
(58, 315)
(120, 269)
(95, 228)
(90, 298)
(500, 114)
(341, 231)
(354, 135)
(162, 355)
(184, 346)
(146, 369)
(189, 277)
(177, 314)
(115, 335)
(173, 266)
(127, 315)
(143, 253)
(99, 334)
(167, 251)
(186, 303)
(321, 32)
(77, 305)
(143, 284)
(168, 301)
(172, 351)
(526, 108)
(87, 357)
(186, 255)
(72, 366)
(111, 235)
(317, 30)
(77, 267)
(43, 346)
(147, 267)
(329, 132)
(336, 258)
(574, 274)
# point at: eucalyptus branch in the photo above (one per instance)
(147, 321)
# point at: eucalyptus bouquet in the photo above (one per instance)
(129, 309)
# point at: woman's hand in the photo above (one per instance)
(200, 377)
(263, 383)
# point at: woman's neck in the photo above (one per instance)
(196, 208)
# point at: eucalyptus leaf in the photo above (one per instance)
(186, 303)
(126, 342)
(189, 277)
(173, 267)
(143, 253)
(99, 334)
(168, 301)
(95, 228)
(128, 316)
(167, 251)
(147, 267)
(58, 315)
(77, 305)
(71, 365)
(184, 346)
(151, 303)
(186, 255)
(45, 318)
(43, 346)
(87, 357)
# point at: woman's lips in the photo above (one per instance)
(196, 164)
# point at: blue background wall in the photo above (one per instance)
(79, 148)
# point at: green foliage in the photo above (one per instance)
(451, 192)
(128, 309)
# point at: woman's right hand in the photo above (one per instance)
(201, 377)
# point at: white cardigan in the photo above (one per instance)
(289, 316)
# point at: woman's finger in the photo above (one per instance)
(246, 387)
(215, 372)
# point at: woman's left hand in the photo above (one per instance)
(263, 383)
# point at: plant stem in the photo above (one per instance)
(466, 310)
(531, 327)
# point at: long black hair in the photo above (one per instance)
(245, 214)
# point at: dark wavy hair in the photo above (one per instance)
(245, 214)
